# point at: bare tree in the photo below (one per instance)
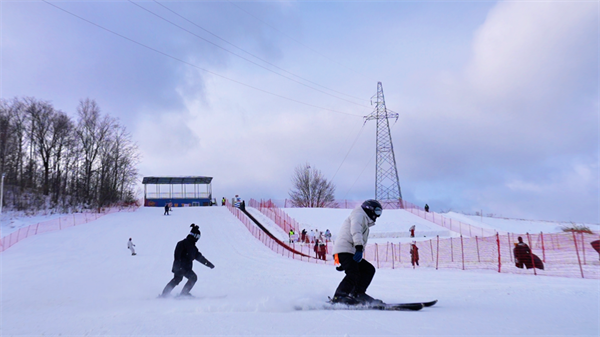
(310, 188)
(91, 132)
(43, 116)
(63, 128)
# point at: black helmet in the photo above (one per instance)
(373, 208)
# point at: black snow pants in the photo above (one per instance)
(190, 275)
(358, 275)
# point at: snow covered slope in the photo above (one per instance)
(84, 281)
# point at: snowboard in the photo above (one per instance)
(396, 306)
(414, 306)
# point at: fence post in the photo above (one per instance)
(577, 250)
(377, 255)
(508, 239)
(431, 248)
(477, 244)
(531, 254)
(498, 244)
(451, 250)
(393, 257)
(543, 248)
(583, 247)
(437, 259)
(462, 249)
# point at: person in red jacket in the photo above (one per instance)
(414, 254)
(412, 231)
(185, 254)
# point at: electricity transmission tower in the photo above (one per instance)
(387, 185)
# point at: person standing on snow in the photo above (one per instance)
(130, 246)
(327, 235)
(414, 254)
(348, 254)
(311, 236)
(185, 254)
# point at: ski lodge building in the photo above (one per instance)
(179, 191)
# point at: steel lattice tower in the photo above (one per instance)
(387, 184)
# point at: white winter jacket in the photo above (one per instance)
(354, 232)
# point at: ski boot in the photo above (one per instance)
(366, 299)
(344, 299)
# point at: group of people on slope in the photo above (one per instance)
(310, 237)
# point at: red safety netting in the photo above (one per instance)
(276, 246)
(55, 225)
(451, 224)
(567, 254)
(279, 217)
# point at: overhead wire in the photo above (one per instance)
(242, 57)
(296, 41)
(251, 54)
(351, 147)
(358, 177)
(195, 66)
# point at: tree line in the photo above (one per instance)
(51, 160)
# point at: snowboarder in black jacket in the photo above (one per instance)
(185, 254)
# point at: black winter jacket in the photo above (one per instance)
(185, 253)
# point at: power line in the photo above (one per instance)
(243, 58)
(245, 51)
(351, 147)
(358, 177)
(298, 42)
(193, 65)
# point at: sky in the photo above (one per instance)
(82, 281)
(497, 101)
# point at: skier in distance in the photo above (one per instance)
(185, 254)
(348, 255)
(131, 246)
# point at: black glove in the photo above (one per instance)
(359, 253)
(200, 258)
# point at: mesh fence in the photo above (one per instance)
(459, 227)
(279, 217)
(63, 222)
(569, 254)
(279, 247)
(566, 254)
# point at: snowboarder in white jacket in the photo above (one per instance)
(130, 246)
(348, 254)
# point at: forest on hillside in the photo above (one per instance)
(50, 160)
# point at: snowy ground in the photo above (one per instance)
(83, 281)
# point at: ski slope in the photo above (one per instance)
(84, 281)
